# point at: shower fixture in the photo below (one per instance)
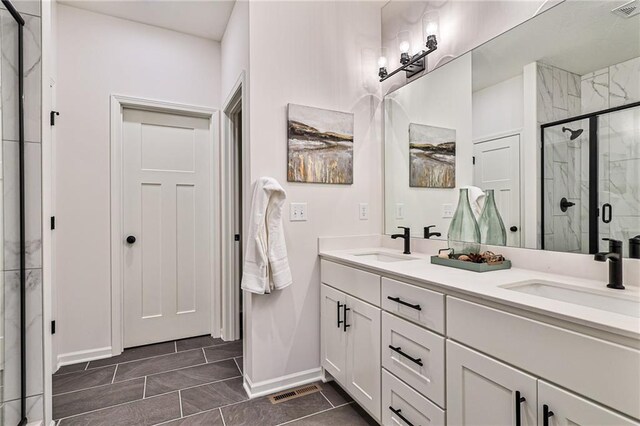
(573, 134)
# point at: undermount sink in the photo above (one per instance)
(603, 300)
(384, 257)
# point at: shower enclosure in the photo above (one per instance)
(591, 180)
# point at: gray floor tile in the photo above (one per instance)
(351, 415)
(159, 364)
(145, 412)
(82, 379)
(192, 376)
(134, 354)
(197, 342)
(212, 396)
(246, 413)
(240, 362)
(65, 369)
(209, 418)
(70, 404)
(335, 394)
(228, 350)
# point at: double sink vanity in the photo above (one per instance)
(417, 344)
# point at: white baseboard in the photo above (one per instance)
(267, 387)
(83, 356)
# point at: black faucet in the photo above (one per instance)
(614, 255)
(428, 234)
(407, 238)
(634, 247)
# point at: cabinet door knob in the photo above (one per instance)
(339, 320)
(519, 400)
(344, 321)
(131, 239)
(546, 413)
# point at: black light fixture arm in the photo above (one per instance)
(414, 65)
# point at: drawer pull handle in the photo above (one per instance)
(546, 413)
(519, 401)
(398, 413)
(402, 302)
(344, 322)
(399, 350)
(339, 320)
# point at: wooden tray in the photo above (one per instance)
(470, 266)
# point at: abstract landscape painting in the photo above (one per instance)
(320, 145)
(432, 157)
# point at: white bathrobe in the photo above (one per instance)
(266, 266)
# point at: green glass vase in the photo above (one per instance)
(492, 231)
(464, 234)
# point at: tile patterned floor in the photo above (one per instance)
(188, 382)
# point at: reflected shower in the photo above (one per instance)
(573, 134)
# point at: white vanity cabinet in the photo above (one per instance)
(350, 330)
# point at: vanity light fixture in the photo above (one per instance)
(413, 64)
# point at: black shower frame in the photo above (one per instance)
(23, 345)
(594, 212)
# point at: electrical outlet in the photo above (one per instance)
(298, 212)
(399, 211)
(447, 210)
(363, 211)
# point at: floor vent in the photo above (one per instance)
(293, 394)
(628, 10)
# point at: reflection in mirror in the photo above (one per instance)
(547, 115)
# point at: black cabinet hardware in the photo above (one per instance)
(236, 237)
(410, 358)
(53, 327)
(131, 239)
(519, 401)
(52, 117)
(53, 223)
(344, 322)
(402, 302)
(399, 414)
(513, 229)
(607, 212)
(339, 320)
(546, 413)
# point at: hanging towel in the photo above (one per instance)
(476, 199)
(266, 266)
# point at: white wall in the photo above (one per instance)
(309, 53)
(99, 56)
(235, 48)
(498, 109)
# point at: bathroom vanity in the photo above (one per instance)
(416, 344)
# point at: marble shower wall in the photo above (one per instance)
(619, 139)
(559, 97)
(10, 274)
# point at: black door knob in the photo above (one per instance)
(131, 239)
(513, 229)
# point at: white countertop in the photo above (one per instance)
(487, 285)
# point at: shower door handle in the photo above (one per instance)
(607, 212)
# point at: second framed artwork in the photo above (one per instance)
(432, 156)
(320, 145)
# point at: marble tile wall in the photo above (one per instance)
(10, 275)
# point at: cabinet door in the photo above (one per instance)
(483, 391)
(571, 410)
(363, 354)
(333, 344)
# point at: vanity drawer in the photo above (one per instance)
(415, 355)
(602, 371)
(361, 284)
(427, 307)
(414, 407)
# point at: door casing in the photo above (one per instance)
(118, 104)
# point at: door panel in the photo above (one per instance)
(167, 208)
(363, 354)
(571, 410)
(334, 338)
(482, 391)
(497, 167)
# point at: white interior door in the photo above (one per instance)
(497, 167)
(167, 209)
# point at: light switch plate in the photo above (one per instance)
(363, 211)
(447, 210)
(298, 212)
(399, 211)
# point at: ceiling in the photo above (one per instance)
(577, 36)
(200, 18)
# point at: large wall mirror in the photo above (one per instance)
(547, 115)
